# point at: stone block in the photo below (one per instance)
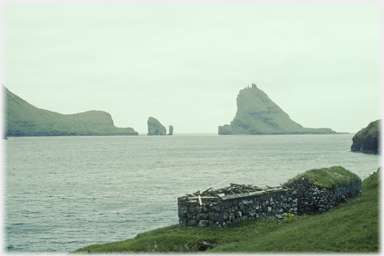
(182, 222)
(182, 201)
(238, 214)
(202, 216)
(216, 208)
(203, 223)
(192, 223)
(213, 216)
(217, 225)
(182, 210)
(192, 209)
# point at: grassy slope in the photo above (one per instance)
(24, 119)
(369, 137)
(350, 227)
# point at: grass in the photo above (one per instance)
(350, 227)
(367, 139)
(371, 130)
(327, 177)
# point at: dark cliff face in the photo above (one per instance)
(367, 140)
(24, 119)
(258, 114)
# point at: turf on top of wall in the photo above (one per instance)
(328, 178)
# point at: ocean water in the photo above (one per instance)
(64, 193)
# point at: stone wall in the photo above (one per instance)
(301, 197)
(312, 199)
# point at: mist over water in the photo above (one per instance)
(63, 193)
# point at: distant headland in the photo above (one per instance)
(24, 119)
(257, 114)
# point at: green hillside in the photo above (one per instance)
(367, 140)
(24, 119)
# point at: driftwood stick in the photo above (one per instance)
(235, 185)
(218, 196)
(205, 191)
(272, 187)
(285, 187)
(197, 193)
(202, 197)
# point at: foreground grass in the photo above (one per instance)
(350, 227)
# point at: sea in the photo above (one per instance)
(65, 193)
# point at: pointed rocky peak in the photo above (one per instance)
(258, 114)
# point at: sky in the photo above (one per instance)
(184, 64)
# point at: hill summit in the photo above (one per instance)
(258, 114)
(24, 119)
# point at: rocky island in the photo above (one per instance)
(257, 114)
(170, 130)
(24, 119)
(367, 140)
(155, 127)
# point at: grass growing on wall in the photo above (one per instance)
(327, 177)
(350, 227)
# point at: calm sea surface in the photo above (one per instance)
(64, 193)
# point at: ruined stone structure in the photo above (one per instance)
(218, 208)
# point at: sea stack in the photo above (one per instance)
(367, 140)
(258, 114)
(170, 130)
(155, 127)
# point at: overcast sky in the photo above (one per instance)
(184, 64)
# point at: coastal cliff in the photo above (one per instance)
(24, 119)
(257, 114)
(155, 127)
(367, 140)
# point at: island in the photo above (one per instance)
(367, 140)
(155, 127)
(258, 114)
(24, 119)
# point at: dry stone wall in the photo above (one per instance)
(214, 210)
(312, 199)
